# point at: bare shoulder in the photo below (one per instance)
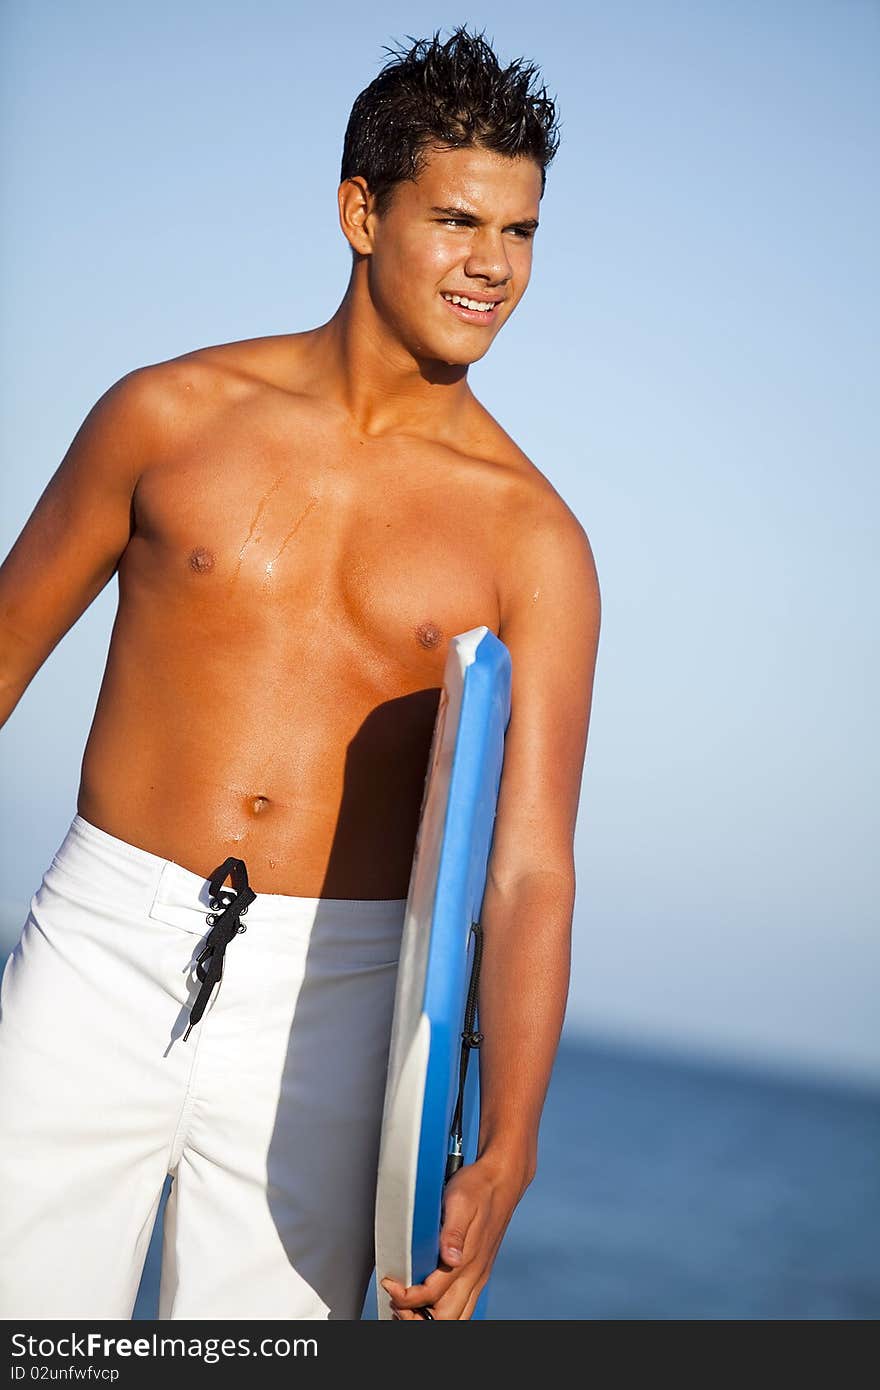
(155, 408)
(117, 435)
(529, 492)
(210, 377)
(544, 547)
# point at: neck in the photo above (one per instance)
(377, 380)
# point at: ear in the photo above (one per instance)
(356, 214)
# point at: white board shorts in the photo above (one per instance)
(268, 1116)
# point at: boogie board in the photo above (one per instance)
(430, 1117)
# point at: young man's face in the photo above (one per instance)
(465, 227)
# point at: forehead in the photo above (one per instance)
(479, 179)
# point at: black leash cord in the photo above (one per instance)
(470, 1039)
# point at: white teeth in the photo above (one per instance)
(469, 303)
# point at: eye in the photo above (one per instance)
(524, 232)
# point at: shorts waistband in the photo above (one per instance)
(131, 876)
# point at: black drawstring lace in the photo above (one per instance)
(224, 926)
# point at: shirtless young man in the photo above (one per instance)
(299, 524)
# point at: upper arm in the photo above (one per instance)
(71, 544)
(550, 624)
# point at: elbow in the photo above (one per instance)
(559, 885)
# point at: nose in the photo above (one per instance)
(488, 258)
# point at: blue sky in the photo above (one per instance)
(691, 367)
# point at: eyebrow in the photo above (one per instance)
(472, 217)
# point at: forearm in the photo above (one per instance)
(524, 981)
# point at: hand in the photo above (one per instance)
(478, 1202)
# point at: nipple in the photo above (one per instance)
(201, 560)
(428, 635)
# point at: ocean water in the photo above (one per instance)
(674, 1189)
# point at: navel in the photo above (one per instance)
(259, 804)
(201, 560)
(428, 635)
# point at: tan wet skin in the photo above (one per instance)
(286, 603)
(300, 524)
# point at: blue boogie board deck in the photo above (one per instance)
(438, 945)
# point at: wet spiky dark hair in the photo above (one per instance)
(447, 95)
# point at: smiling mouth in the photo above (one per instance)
(482, 316)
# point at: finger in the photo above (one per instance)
(453, 1238)
(461, 1297)
(431, 1293)
(458, 1227)
(433, 1288)
(468, 1310)
(450, 1307)
(455, 1304)
(409, 1315)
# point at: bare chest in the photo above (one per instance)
(384, 553)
